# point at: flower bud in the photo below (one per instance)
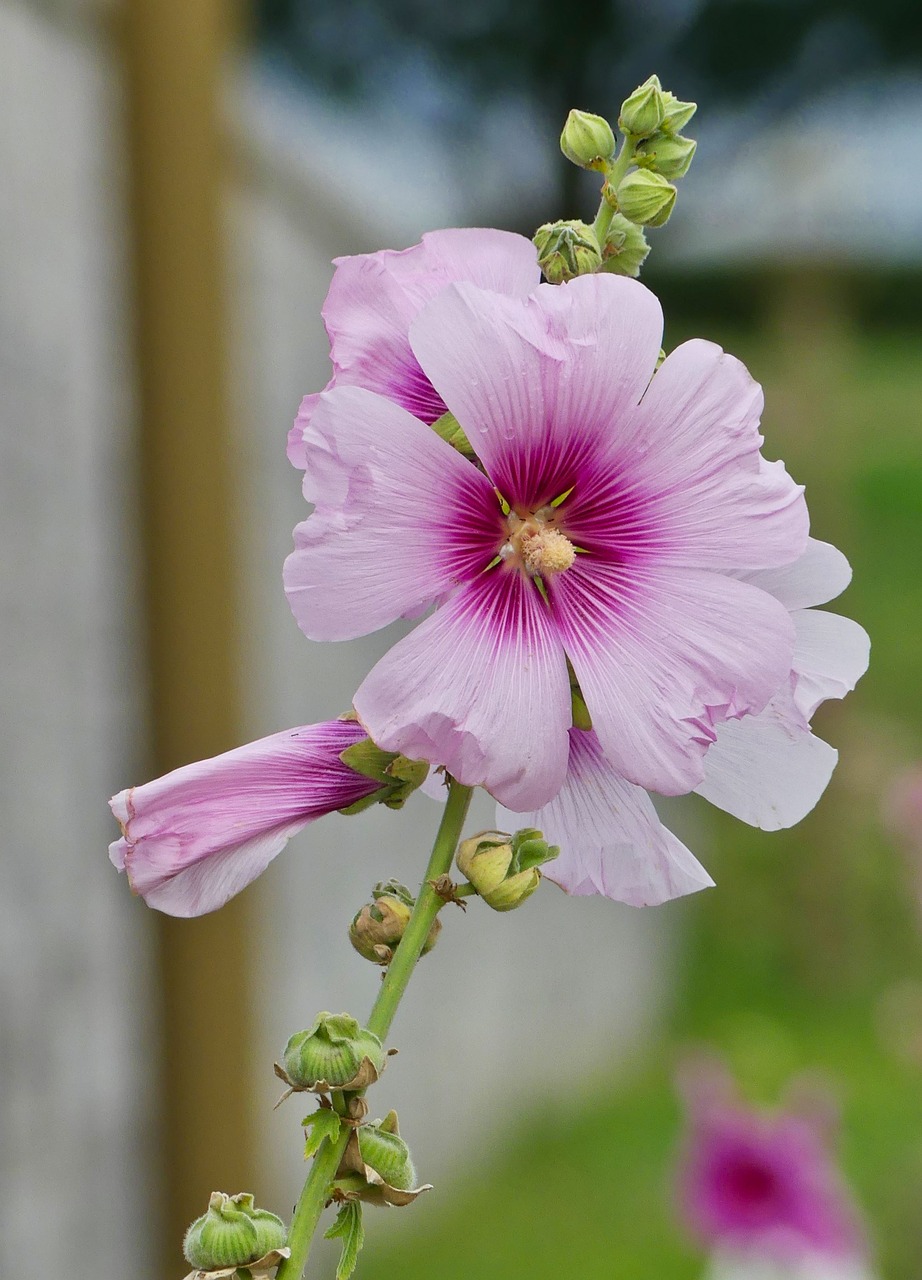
(624, 253)
(667, 154)
(643, 112)
(376, 1165)
(677, 114)
(232, 1233)
(646, 198)
(377, 929)
(335, 1053)
(383, 1150)
(567, 250)
(503, 868)
(587, 140)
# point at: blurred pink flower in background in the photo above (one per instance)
(197, 836)
(761, 1191)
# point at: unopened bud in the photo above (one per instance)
(378, 927)
(383, 1150)
(567, 250)
(667, 154)
(587, 140)
(644, 111)
(677, 114)
(335, 1053)
(504, 868)
(232, 1233)
(624, 253)
(376, 1165)
(646, 198)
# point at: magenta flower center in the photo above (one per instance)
(535, 544)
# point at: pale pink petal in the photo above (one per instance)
(611, 840)
(539, 383)
(831, 655)
(481, 687)
(401, 518)
(768, 770)
(820, 574)
(690, 454)
(663, 656)
(196, 836)
(297, 454)
(374, 297)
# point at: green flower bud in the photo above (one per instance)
(503, 868)
(624, 253)
(377, 929)
(271, 1232)
(567, 250)
(646, 198)
(667, 154)
(383, 1150)
(644, 111)
(225, 1236)
(587, 140)
(335, 1053)
(677, 114)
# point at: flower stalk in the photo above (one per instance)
(428, 904)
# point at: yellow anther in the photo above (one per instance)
(547, 551)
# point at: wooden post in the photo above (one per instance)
(174, 57)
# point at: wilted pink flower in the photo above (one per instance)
(614, 523)
(763, 1184)
(197, 836)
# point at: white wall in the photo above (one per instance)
(74, 981)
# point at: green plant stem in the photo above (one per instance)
(316, 1189)
(613, 175)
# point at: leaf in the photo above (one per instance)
(451, 431)
(319, 1125)
(348, 1225)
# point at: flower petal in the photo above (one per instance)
(831, 655)
(662, 656)
(374, 297)
(611, 840)
(538, 383)
(820, 574)
(768, 770)
(691, 448)
(196, 836)
(401, 518)
(480, 687)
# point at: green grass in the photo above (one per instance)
(806, 957)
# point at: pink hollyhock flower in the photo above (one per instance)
(762, 1186)
(767, 769)
(197, 836)
(616, 517)
(375, 297)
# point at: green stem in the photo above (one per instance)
(613, 175)
(316, 1189)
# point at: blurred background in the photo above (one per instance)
(175, 177)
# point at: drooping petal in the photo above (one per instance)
(768, 770)
(820, 574)
(689, 452)
(831, 654)
(481, 687)
(539, 383)
(611, 840)
(663, 656)
(195, 837)
(401, 518)
(374, 297)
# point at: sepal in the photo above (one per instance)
(377, 1167)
